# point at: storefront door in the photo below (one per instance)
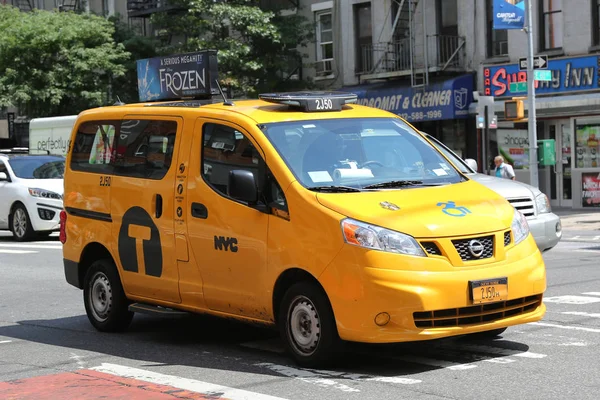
(560, 131)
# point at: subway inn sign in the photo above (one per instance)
(569, 75)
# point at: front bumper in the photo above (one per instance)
(358, 293)
(546, 230)
(45, 214)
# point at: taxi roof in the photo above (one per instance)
(262, 112)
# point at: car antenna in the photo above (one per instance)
(118, 102)
(225, 101)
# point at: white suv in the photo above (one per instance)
(545, 226)
(31, 194)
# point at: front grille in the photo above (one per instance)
(524, 205)
(476, 314)
(462, 247)
(506, 238)
(432, 248)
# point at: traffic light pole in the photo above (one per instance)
(532, 126)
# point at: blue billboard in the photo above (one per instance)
(449, 99)
(571, 74)
(509, 14)
(179, 76)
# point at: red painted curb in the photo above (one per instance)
(88, 385)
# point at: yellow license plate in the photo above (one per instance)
(489, 291)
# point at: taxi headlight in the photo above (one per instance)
(519, 227)
(377, 238)
(543, 204)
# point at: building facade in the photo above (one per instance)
(422, 59)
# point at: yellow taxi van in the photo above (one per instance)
(329, 220)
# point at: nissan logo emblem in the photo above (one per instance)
(476, 248)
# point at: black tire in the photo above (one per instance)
(488, 334)
(109, 312)
(307, 303)
(20, 224)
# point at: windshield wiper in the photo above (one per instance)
(334, 189)
(391, 184)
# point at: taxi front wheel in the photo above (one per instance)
(105, 302)
(307, 325)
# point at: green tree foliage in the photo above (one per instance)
(138, 47)
(257, 49)
(55, 63)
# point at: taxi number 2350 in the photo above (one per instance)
(105, 180)
(324, 104)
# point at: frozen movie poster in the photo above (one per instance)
(509, 14)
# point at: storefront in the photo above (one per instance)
(568, 112)
(440, 109)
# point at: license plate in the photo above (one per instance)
(489, 291)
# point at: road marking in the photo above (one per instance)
(496, 351)
(182, 383)
(435, 363)
(17, 251)
(572, 300)
(574, 328)
(78, 360)
(31, 246)
(582, 314)
(5, 341)
(592, 293)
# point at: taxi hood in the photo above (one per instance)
(466, 208)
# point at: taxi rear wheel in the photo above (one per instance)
(307, 325)
(105, 302)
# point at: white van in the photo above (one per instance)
(50, 135)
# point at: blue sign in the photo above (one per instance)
(509, 14)
(574, 74)
(190, 75)
(445, 100)
(452, 210)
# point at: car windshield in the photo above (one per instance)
(459, 163)
(359, 153)
(38, 167)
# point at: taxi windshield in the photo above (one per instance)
(359, 153)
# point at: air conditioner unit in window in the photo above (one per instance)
(325, 67)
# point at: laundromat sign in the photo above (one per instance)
(443, 100)
(575, 74)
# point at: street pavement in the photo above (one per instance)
(49, 350)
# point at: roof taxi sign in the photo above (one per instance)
(189, 75)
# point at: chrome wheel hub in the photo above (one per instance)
(19, 223)
(304, 325)
(100, 296)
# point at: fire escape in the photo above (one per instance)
(139, 12)
(63, 5)
(411, 51)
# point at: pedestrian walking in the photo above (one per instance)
(503, 170)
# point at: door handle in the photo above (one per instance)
(159, 203)
(199, 210)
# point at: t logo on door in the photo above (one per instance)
(139, 243)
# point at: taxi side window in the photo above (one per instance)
(93, 146)
(225, 149)
(136, 148)
(144, 148)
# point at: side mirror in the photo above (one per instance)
(242, 186)
(472, 164)
(3, 176)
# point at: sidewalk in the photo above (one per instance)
(579, 221)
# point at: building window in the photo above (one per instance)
(447, 11)
(596, 22)
(364, 37)
(324, 43)
(551, 24)
(497, 39)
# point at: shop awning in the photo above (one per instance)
(449, 99)
(554, 106)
